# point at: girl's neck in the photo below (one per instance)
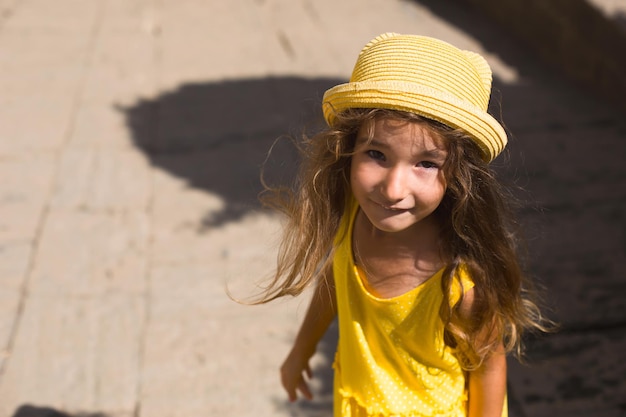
(421, 238)
(394, 263)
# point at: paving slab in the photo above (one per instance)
(102, 179)
(77, 353)
(25, 184)
(104, 252)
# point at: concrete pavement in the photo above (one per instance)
(131, 135)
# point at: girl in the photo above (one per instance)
(398, 219)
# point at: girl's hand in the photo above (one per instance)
(295, 371)
(292, 376)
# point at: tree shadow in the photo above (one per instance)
(216, 136)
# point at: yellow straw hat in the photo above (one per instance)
(425, 76)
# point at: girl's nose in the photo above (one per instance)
(394, 186)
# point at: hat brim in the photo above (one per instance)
(422, 100)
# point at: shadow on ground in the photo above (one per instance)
(566, 151)
(216, 136)
(35, 411)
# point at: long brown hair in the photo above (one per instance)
(479, 233)
(476, 222)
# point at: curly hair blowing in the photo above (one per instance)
(477, 234)
(313, 205)
(475, 219)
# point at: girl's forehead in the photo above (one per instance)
(390, 130)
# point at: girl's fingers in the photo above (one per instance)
(292, 395)
(297, 383)
(301, 387)
(304, 389)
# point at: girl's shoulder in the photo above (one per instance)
(461, 283)
(463, 276)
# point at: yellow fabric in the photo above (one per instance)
(391, 357)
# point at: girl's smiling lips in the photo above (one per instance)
(390, 208)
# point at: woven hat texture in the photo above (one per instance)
(425, 76)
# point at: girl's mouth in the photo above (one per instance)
(391, 208)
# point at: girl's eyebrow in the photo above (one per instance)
(434, 153)
(373, 142)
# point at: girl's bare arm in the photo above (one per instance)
(487, 387)
(487, 384)
(321, 312)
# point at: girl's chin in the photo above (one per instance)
(396, 221)
(391, 225)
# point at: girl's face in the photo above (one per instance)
(397, 177)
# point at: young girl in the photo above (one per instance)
(399, 221)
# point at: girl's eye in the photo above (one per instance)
(427, 164)
(377, 155)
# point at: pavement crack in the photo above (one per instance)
(285, 43)
(6, 12)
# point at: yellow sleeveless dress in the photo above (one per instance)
(391, 357)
